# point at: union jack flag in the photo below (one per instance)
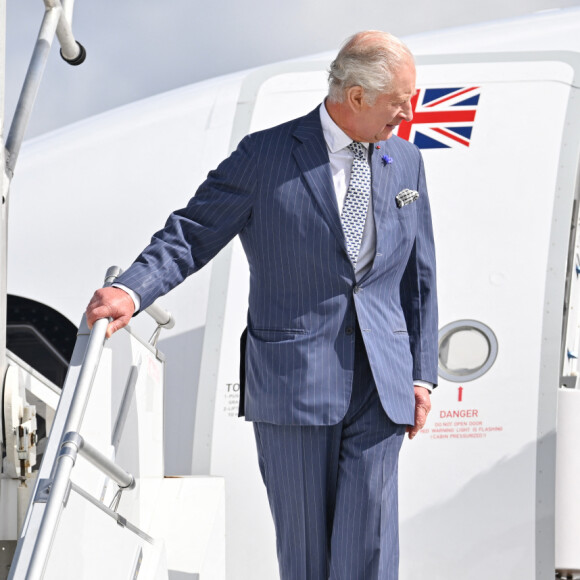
(442, 118)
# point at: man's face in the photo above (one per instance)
(377, 122)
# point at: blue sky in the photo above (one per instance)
(138, 48)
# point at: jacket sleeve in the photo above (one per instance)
(419, 291)
(192, 236)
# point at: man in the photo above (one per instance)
(333, 215)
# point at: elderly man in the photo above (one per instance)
(340, 351)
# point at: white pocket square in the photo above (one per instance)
(406, 197)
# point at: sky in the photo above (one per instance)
(139, 48)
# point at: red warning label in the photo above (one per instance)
(459, 424)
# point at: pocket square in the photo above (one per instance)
(406, 197)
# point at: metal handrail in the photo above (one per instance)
(56, 21)
(72, 443)
(60, 476)
(121, 521)
(71, 50)
(162, 317)
(76, 441)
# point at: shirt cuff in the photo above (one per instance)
(134, 296)
(425, 384)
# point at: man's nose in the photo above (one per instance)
(407, 111)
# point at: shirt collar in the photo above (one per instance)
(336, 139)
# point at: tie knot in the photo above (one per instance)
(358, 149)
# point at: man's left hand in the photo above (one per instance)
(422, 408)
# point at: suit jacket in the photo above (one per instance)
(276, 192)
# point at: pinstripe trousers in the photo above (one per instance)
(333, 489)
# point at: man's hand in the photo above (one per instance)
(422, 408)
(112, 303)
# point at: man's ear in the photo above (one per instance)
(355, 98)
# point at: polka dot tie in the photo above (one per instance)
(354, 211)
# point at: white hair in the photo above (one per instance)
(368, 60)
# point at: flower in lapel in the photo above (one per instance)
(386, 159)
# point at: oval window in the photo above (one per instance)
(467, 350)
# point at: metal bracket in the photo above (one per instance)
(568, 382)
(121, 521)
(43, 490)
(155, 336)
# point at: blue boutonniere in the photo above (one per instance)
(386, 159)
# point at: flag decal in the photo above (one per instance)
(442, 117)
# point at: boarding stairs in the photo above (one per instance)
(101, 506)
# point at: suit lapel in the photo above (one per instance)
(383, 187)
(311, 155)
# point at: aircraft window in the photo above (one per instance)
(467, 350)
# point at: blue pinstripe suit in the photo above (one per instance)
(308, 315)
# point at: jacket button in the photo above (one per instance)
(348, 330)
(357, 289)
